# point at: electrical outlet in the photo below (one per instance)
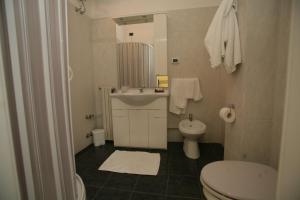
(175, 60)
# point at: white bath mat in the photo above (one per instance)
(132, 162)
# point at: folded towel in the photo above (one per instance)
(183, 89)
(222, 39)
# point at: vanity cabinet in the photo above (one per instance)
(157, 126)
(143, 126)
(138, 123)
(121, 127)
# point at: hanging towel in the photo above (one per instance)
(222, 39)
(183, 89)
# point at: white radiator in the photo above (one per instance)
(106, 112)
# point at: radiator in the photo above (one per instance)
(106, 112)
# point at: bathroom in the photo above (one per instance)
(135, 108)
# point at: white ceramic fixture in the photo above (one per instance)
(191, 131)
(140, 118)
(138, 97)
(238, 180)
(81, 195)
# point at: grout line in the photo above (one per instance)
(96, 194)
(131, 194)
(100, 188)
(155, 194)
(133, 189)
(112, 188)
(84, 155)
(183, 197)
(167, 184)
(106, 181)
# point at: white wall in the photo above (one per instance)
(104, 41)
(82, 90)
(254, 88)
(289, 173)
(280, 80)
(142, 33)
(119, 33)
(160, 44)
(186, 31)
(117, 8)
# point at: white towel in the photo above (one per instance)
(222, 39)
(183, 89)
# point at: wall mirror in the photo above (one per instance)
(142, 51)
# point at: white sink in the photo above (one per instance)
(135, 97)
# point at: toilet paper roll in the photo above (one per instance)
(227, 114)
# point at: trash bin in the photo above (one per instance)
(98, 137)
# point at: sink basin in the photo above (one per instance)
(194, 127)
(135, 97)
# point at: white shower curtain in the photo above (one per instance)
(135, 65)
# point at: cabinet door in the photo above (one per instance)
(138, 128)
(158, 129)
(121, 127)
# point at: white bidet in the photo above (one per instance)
(191, 131)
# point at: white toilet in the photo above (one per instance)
(81, 195)
(238, 180)
(191, 131)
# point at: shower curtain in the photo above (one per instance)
(135, 65)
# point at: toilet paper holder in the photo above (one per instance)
(231, 107)
(228, 113)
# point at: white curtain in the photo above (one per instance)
(135, 65)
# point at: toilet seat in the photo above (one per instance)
(239, 180)
(81, 195)
(211, 194)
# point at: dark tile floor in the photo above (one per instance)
(178, 176)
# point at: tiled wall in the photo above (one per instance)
(142, 33)
(186, 32)
(280, 80)
(254, 89)
(104, 41)
(82, 94)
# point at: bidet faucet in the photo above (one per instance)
(191, 117)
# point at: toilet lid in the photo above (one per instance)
(241, 180)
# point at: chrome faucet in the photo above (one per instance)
(191, 117)
(141, 89)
